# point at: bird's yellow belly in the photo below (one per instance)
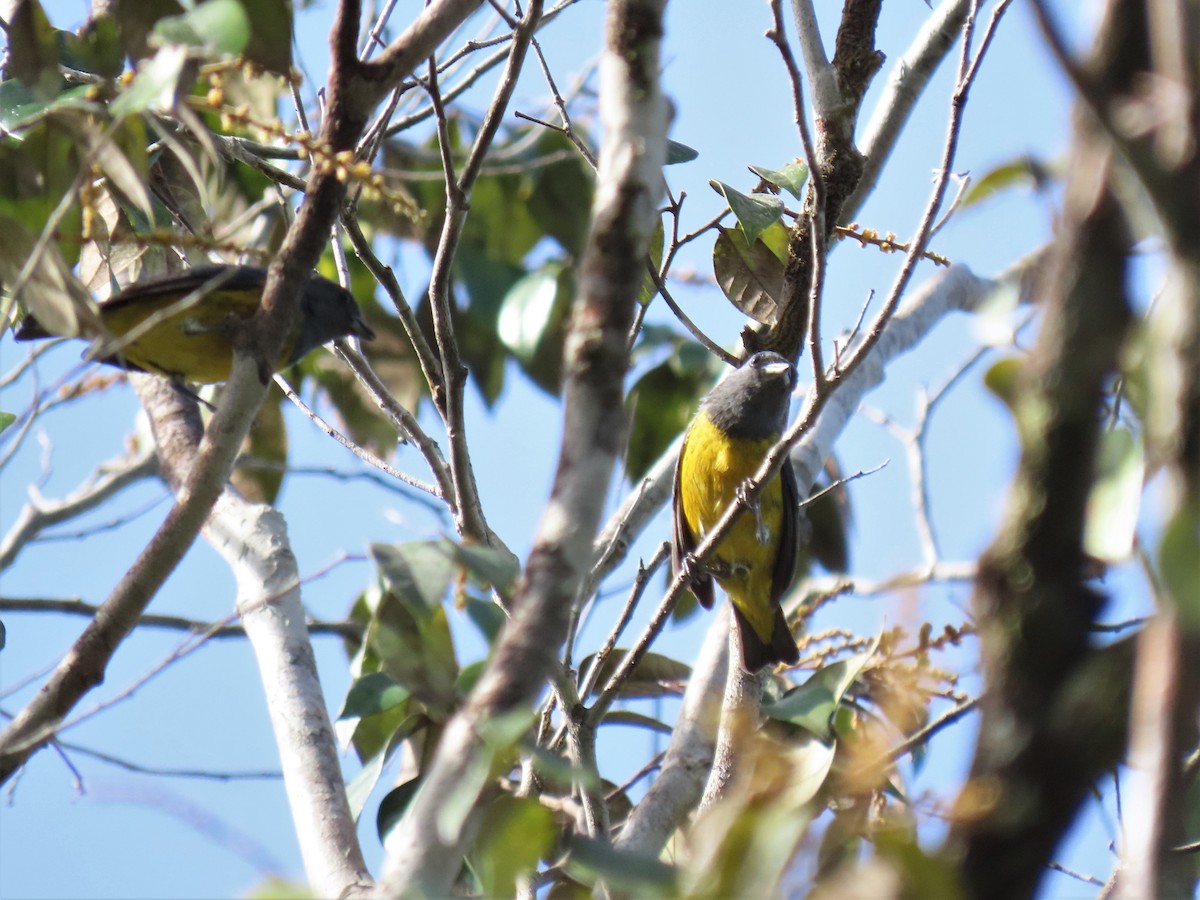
(194, 342)
(713, 469)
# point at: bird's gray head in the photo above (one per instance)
(328, 312)
(752, 402)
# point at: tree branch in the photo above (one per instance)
(906, 84)
(39, 514)
(1035, 611)
(424, 858)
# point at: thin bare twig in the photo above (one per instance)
(216, 631)
(39, 514)
(644, 573)
(169, 771)
(361, 452)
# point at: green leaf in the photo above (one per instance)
(776, 239)
(755, 212)
(1002, 379)
(392, 807)
(1024, 171)
(532, 323)
(32, 49)
(456, 806)
(791, 177)
(488, 283)
(270, 41)
(515, 834)
(1179, 561)
(487, 616)
(266, 449)
(371, 695)
(751, 276)
(6, 419)
(359, 788)
(96, 48)
(655, 675)
(154, 86)
(53, 293)
(811, 705)
(742, 846)
(635, 720)
(657, 239)
(842, 841)
(1115, 497)
(591, 860)
(418, 571)
(468, 677)
(375, 734)
(409, 632)
(527, 312)
(561, 199)
(498, 739)
(558, 771)
(360, 418)
(136, 21)
(830, 517)
(922, 874)
(416, 651)
(501, 223)
(220, 27)
(679, 153)
(490, 567)
(502, 731)
(19, 107)
(811, 762)
(126, 170)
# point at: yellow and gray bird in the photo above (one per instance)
(738, 422)
(182, 325)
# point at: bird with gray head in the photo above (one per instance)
(752, 402)
(737, 424)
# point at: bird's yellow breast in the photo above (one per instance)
(169, 339)
(713, 467)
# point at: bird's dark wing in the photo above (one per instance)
(683, 542)
(789, 534)
(225, 278)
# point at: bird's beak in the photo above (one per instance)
(360, 328)
(777, 369)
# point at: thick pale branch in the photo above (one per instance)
(253, 540)
(424, 857)
(826, 96)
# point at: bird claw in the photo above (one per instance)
(761, 531)
(192, 327)
(714, 568)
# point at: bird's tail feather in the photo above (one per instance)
(757, 653)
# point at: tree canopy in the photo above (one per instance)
(443, 552)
